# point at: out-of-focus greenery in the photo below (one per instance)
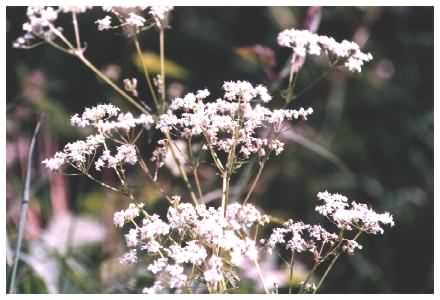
(370, 138)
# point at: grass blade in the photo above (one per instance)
(23, 208)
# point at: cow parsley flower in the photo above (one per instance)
(75, 9)
(105, 119)
(152, 227)
(159, 14)
(304, 42)
(352, 215)
(132, 238)
(155, 288)
(56, 162)
(40, 24)
(213, 274)
(201, 230)
(123, 216)
(350, 246)
(130, 85)
(231, 122)
(158, 265)
(104, 23)
(132, 16)
(298, 237)
(119, 218)
(75, 153)
(135, 20)
(94, 114)
(129, 257)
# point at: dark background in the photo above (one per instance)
(377, 126)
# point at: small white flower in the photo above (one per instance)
(129, 257)
(132, 238)
(56, 162)
(157, 286)
(160, 13)
(158, 265)
(119, 218)
(104, 23)
(131, 212)
(127, 154)
(135, 20)
(214, 274)
(130, 85)
(177, 278)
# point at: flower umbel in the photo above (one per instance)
(304, 42)
(203, 245)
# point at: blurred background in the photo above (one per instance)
(370, 138)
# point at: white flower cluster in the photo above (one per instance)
(162, 155)
(127, 16)
(76, 153)
(40, 23)
(124, 216)
(130, 16)
(105, 118)
(125, 154)
(299, 237)
(203, 234)
(160, 14)
(75, 9)
(229, 122)
(305, 42)
(244, 91)
(352, 215)
(40, 20)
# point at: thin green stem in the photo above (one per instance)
(111, 83)
(24, 208)
(181, 169)
(291, 272)
(195, 167)
(330, 266)
(301, 290)
(331, 252)
(255, 181)
(103, 184)
(260, 274)
(214, 156)
(316, 81)
(121, 177)
(79, 53)
(146, 74)
(147, 172)
(61, 36)
(229, 169)
(162, 63)
(76, 29)
(225, 190)
(197, 180)
(291, 86)
(56, 46)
